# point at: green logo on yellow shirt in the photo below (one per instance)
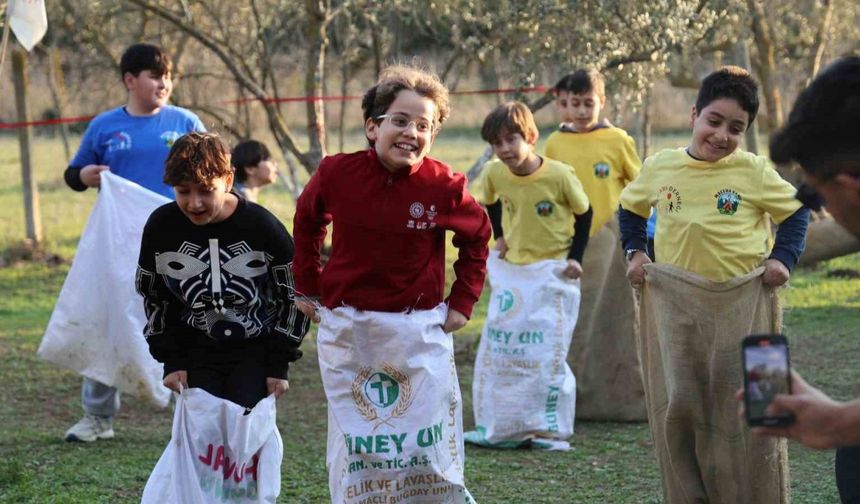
(601, 170)
(728, 201)
(544, 208)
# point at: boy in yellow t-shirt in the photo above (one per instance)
(715, 203)
(605, 161)
(603, 156)
(537, 206)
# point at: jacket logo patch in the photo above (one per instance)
(416, 210)
(601, 170)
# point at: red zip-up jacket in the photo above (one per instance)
(388, 237)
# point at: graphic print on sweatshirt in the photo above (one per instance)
(222, 288)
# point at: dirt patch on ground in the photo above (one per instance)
(28, 252)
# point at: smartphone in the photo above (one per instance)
(767, 372)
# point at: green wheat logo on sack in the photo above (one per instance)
(381, 395)
(728, 201)
(601, 170)
(544, 208)
(508, 302)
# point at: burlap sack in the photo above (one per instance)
(689, 345)
(603, 358)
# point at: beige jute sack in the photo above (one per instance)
(603, 355)
(689, 344)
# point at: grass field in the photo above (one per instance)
(610, 463)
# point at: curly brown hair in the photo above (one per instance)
(396, 78)
(198, 158)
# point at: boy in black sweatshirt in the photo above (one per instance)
(214, 272)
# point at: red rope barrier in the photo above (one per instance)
(66, 120)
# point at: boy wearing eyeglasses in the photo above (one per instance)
(390, 206)
(384, 345)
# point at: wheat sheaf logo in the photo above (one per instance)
(381, 395)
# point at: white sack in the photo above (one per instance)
(395, 413)
(523, 390)
(217, 453)
(97, 325)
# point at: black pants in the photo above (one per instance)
(848, 474)
(234, 372)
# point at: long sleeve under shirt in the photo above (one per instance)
(193, 300)
(388, 237)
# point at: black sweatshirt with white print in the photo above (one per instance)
(219, 285)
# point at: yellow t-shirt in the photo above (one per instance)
(605, 161)
(538, 209)
(712, 218)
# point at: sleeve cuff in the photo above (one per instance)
(461, 306)
(785, 257)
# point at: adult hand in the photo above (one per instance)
(635, 270)
(90, 174)
(277, 386)
(454, 322)
(573, 269)
(309, 310)
(501, 246)
(775, 273)
(819, 421)
(175, 379)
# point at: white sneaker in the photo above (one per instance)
(89, 428)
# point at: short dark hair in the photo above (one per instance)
(140, 57)
(582, 81)
(731, 82)
(821, 133)
(198, 158)
(511, 117)
(246, 154)
(395, 79)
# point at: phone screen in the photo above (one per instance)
(766, 375)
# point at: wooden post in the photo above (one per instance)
(28, 180)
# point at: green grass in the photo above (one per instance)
(610, 463)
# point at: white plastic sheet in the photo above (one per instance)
(523, 392)
(97, 325)
(395, 412)
(217, 453)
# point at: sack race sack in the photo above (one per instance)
(217, 453)
(608, 376)
(395, 414)
(691, 332)
(96, 328)
(523, 391)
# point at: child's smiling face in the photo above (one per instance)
(717, 129)
(399, 147)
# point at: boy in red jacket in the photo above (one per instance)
(390, 206)
(384, 319)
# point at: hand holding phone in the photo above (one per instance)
(767, 372)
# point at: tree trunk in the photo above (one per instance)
(57, 84)
(825, 240)
(742, 59)
(820, 40)
(317, 14)
(766, 65)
